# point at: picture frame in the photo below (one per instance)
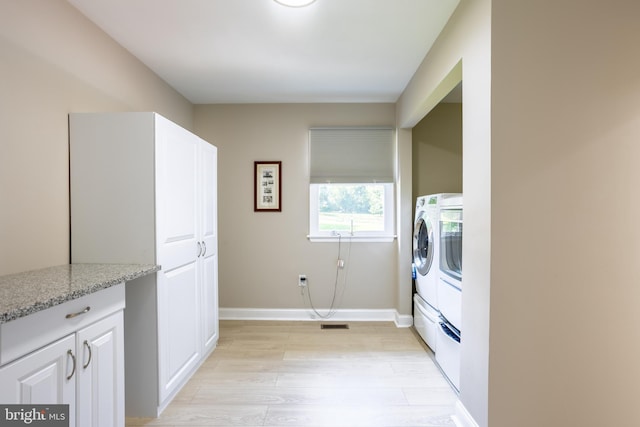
(267, 186)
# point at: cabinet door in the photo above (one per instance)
(176, 195)
(209, 236)
(101, 373)
(208, 198)
(210, 301)
(46, 376)
(179, 336)
(178, 248)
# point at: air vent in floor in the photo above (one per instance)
(334, 326)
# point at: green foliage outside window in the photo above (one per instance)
(341, 204)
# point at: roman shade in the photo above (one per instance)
(351, 155)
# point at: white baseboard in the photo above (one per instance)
(462, 417)
(403, 320)
(383, 315)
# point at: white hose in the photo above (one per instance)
(332, 307)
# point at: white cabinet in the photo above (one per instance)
(209, 237)
(83, 367)
(42, 377)
(144, 190)
(100, 371)
(178, 246)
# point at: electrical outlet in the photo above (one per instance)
(302, 280)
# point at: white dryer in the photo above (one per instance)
(449, 290)
(426, 255)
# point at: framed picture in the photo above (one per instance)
(267, 184)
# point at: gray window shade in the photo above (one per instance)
(351, 155)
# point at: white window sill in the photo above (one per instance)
(348, 238)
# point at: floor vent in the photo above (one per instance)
(334, 326)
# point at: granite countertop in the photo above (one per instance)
(26, 293)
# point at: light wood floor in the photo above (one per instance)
(297, 374)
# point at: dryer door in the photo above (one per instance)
(423, 241)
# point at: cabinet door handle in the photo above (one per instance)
(199, 250)
(73, 371)
(86, 344)
(72, 315)
(204, 245)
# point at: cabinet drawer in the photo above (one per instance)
(29, 333)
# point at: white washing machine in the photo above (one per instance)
(426, 257)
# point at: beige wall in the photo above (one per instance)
(54, 62)
(261, 254)
(462, 52)
(437, 151)
(565, 342)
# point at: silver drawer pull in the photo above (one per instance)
(73, 371)
(86, 344)
(72, 315)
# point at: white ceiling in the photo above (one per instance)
(256, 51)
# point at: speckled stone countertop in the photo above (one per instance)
(26, 293)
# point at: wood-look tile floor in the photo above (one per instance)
(297, 374)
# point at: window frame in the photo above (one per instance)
(386, 235)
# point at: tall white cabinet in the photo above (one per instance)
(144, 190)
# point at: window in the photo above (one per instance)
(351, 183)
